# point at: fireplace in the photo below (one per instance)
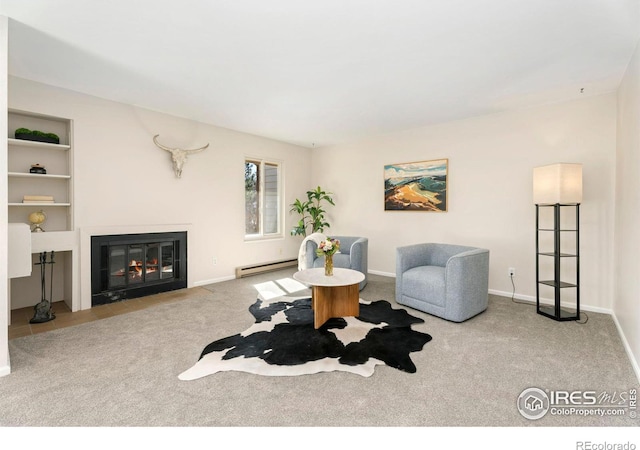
(128, 266)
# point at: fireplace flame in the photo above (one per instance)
(136, 268)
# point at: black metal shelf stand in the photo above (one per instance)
(555, 312)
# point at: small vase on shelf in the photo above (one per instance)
(328, 265)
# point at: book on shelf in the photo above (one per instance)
(38, 201)
(37, 198)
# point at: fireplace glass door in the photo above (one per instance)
(117, 258)
(128, 266)
(166, 251)
(140, 263)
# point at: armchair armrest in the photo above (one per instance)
(311, 248)
(467, 279)
(359, 255)
(467, 263)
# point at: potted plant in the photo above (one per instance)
(35, 135)
(311, 212)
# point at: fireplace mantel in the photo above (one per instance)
(85, 253)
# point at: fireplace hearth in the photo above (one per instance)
(126, 266)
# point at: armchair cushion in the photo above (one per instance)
(425, 281)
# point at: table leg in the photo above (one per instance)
(334, 301)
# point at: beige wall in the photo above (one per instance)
(626, 303)
(4, 319)
(491, 159)
(490, 203)
(122, 178)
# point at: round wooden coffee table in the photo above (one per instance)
(334, 296)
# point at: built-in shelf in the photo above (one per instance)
(58, 241)
(38, 175)
(39, 204)
(56, 159)
(36, 144)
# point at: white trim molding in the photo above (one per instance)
(627, 347)
(383, 274)
(547, 301)
(213, 280)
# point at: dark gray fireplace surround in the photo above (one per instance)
(126, 266)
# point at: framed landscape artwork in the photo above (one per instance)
(416, 186)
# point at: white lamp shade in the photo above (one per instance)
(557, 183)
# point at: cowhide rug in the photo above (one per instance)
(283, 342)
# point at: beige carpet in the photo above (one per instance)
(123, 371)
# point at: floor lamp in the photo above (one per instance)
(559, 187)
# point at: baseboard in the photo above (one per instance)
(526, 298)
(6, 370)
(384, 274)
(213, 280)
(627, 347)
(254, 269)
(548, 301)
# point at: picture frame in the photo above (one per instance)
(416, 186)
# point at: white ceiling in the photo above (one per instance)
(324, 72)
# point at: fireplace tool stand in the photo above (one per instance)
(43, 311)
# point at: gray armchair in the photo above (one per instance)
(353, 254)
(448, 281)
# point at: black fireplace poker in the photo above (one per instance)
(43, 312)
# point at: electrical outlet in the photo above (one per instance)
(215, 261)
(512, 271)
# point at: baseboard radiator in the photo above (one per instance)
(255, 269)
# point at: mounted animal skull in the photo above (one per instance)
(178, 155)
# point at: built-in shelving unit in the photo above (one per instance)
(559, 268)
(60, 234)
(57, 160)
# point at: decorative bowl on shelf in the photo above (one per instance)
(37, 168)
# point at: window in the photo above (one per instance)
(262, 198)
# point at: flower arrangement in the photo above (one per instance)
(328, 247)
